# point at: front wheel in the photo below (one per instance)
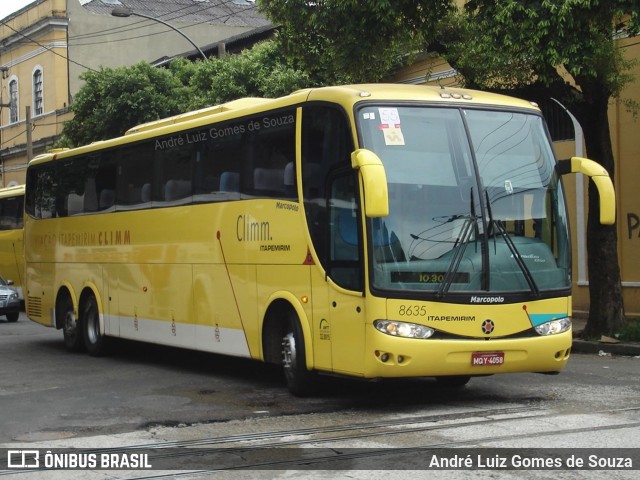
(12, 317)
(94, 341)
(300, 381)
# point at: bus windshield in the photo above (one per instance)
(475, 204)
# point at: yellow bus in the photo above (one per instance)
(11, 242)
(368, 231)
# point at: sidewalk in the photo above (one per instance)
(586, 346)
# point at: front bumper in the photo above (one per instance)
(393, 357)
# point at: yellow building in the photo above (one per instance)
(33, 61)
(45, 46)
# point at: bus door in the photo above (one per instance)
(333, 217)
(345, 274)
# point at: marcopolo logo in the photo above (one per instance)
(476, 299)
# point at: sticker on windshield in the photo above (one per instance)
(390, 126)
(508, 186)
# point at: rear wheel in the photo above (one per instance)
(71, 326)
(300, 381)
(94, 341)
(12, 317)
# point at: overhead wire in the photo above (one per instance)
(129, 27)
(169, 16)
(134, 26)
(49, 49)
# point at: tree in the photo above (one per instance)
(114, 99)
(261, 71)
(559, 48)
(344, 41)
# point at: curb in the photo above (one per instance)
(626, 349)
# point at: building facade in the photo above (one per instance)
(47, 45)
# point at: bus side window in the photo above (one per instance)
(107, 199)
(105, 180)
(344, 234)
(216, 169)
(290, 179)
(268, 181)
(174, 173)
(75, 204)
(269, 152)
(230, 182)
(11, 213)
(41, 193)
(135, 169)
(326, 145)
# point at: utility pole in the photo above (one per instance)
(5, 74)
(29, 128)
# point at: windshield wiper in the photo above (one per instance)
(468, 228)
(499, 227)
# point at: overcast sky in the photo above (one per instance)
(7, 7)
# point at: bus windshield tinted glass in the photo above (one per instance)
(475, 204)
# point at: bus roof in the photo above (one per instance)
(350, 94)
(11, 191)
(346, 95)
(196, 114)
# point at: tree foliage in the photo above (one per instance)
(353, 40)
(513, 44)
(261, 71)
(113, 100)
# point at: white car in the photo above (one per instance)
(9, 300)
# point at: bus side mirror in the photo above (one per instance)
(374, 182)
(600, 178)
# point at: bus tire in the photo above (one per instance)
(300, 381)
(71, 326)
(453, 381)
(12, 317)
(94, 341)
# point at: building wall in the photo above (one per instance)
(99, 40)
(35, 38)
(626, 149)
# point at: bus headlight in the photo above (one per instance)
(554, 327)
(403, 329)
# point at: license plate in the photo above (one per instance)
(481, 359)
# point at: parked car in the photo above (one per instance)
(9, 300)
